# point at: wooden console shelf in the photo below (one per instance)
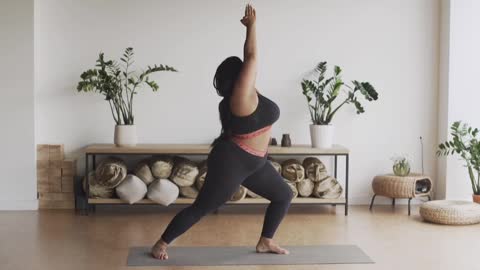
(203, 149)
(93, 150)
(298, 200)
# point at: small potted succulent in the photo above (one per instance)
(466, 144)
(321, 94)
(401, 166)
(119, 83)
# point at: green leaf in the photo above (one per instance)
(359, 107)
(337, 71)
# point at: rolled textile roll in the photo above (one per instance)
(142, 171)
(305, 187)
(315, 170)
(111, 172)
(189, 192)
(293, 170)
(161, 166)
(327, 188)
(96, 190)
(240, 194)
(184, 172)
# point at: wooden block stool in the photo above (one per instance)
(401, 187)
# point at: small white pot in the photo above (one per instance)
(125, 135)
(321, 135)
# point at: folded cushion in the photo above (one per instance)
(132, 189)
(163, 191)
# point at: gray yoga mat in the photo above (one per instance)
(246, 255)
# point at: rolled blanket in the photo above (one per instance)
(161, 166)
(305, 187)
(293, 170)
(189, 192)
(327, 188)
(315, 170)
(240, 194)
(111, 172)
(184, 172)
(96, 190)
(142, 171)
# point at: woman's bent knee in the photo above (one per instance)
(287, 194)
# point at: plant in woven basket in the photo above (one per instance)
(465, 143)
(401, 165)
(322, 93)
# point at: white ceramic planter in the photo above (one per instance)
(125, 135)
(321, 135)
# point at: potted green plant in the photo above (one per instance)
(465, 143)
(401, 166)
(324, 92)
(119, 83)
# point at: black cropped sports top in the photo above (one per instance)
(266, 113)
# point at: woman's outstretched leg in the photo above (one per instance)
(268, 183)
(227, 168)
(216, 190)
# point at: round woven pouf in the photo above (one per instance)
(451, 212)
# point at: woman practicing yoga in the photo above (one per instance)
(239, 154)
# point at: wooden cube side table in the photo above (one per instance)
(401, 187)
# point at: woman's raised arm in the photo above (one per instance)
(244, 97)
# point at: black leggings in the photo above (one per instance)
(228, 167)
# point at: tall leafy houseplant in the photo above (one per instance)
(322, 93)
(466, 144)
(119, 83)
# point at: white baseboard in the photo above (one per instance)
(15, 205)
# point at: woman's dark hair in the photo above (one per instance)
(223, 81)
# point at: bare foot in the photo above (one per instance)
(159, 250)
(267, 245)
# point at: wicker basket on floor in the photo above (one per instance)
(401, 187)
(393, 186)
(451, 212)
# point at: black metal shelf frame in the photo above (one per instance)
(91, 158)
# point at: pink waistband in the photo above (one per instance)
(237, 138)
(248, 148)
(253, 134)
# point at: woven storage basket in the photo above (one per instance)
(393, 186)
(451, 212)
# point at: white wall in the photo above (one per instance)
(460, 91)
(17, 162)
(392, 44)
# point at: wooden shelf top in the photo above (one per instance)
(298, 200)
(299, 149)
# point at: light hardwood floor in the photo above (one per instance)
(62, 240)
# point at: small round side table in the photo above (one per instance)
(408, 187)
